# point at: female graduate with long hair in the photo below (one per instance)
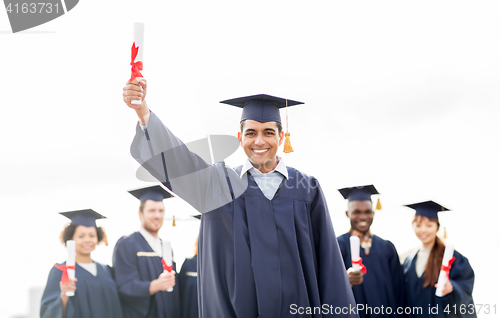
(95, 293)
(421, 270)
(188, 277)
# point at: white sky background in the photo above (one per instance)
(397, 94)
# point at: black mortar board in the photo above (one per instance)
(83, 217)
(428, 209)
(262, 108)
(155, 193)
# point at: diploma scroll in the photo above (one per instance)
(167, 260)
(137, 55)
(445, 269)
(70, 246)
(355, 252)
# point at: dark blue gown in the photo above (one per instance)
(136, 265)
(257, 257)
(383, 283)
(462, 279)
(95, 296)
(188, 278)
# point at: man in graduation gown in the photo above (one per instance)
(267, 247)
(382, 285)
(139, 276)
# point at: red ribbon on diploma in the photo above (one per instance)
(358, 262)
(136, 66)
(447, 268)
(165, 266)
(64, 268)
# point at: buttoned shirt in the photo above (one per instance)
(268, 182)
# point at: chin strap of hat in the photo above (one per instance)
(288, 146)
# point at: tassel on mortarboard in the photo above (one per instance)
(288, 146)
(379, 205)
(173, 222)
(445, 236)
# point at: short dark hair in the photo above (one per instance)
(69, 231)
(280, 127)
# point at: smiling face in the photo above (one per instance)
(426, 230)
(361, 215)
(260, 141)
(85, 239)
(152, 215)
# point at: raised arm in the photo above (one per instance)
(168, 159)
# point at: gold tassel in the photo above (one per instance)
(173, 222)
(288, 146)
(445, 235)
(379, 206)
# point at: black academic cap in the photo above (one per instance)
(83, 217)
(361, 193)
(262, 108)
(428, 209)
(155, 193)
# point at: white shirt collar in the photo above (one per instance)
(154, 242)
(280, 167)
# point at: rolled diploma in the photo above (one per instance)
(167, 256)
(139, 42)
(70, 246)
(448, 254)
(355, 251)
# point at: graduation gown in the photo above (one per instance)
(462, 279)
(256, 257)
(383, 282)
(188, 278)
(95, 296)
(136, 265)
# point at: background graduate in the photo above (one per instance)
(267, 247)
(188, 277)
(383, 283)
(96, 295)
(138, 266)
(421, 270)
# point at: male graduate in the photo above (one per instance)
(266, 245)
(139, 276)
(383, 283)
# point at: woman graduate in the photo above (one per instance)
(96, 295)
(188, 277)
(421, 270)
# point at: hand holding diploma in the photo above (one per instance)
(357, 264)
(443, 286)
(166, 280)
(167, 261)
(135, 90)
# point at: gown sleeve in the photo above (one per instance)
(334, 287)
(168, 159)
(51, 305)
(462, 279)
(130, 287)
(397, 275)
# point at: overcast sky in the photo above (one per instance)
(402, 95)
